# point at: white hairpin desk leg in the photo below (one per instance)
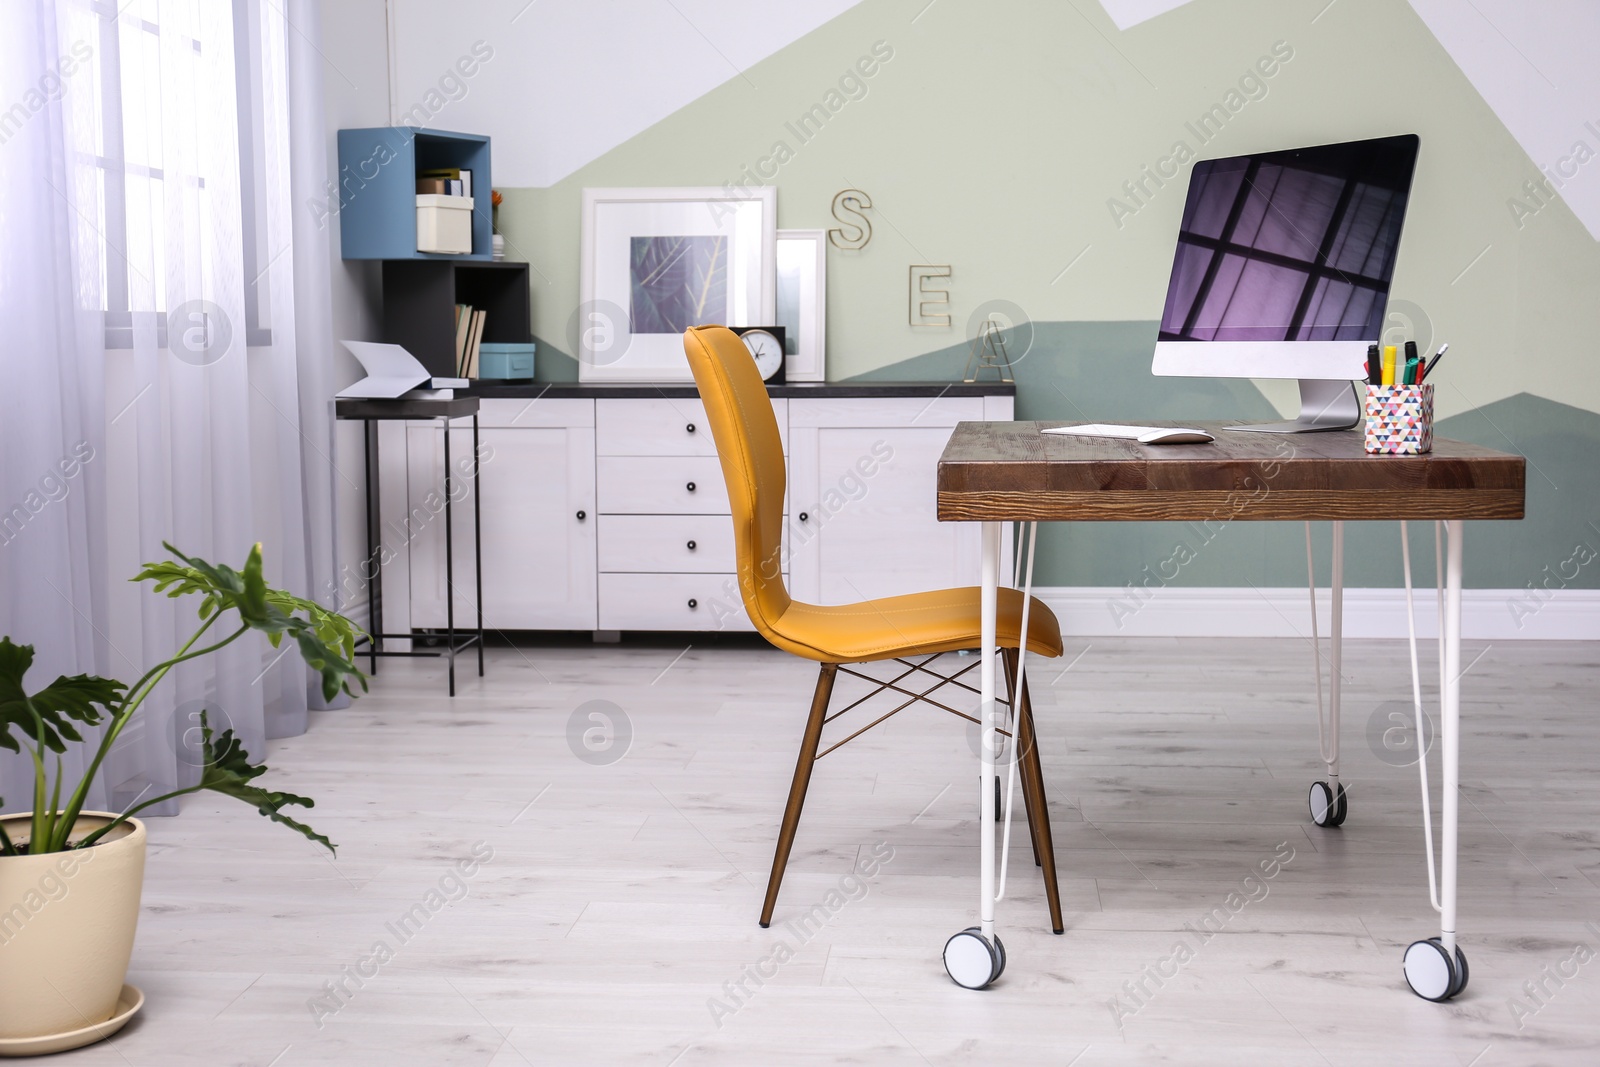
(1326, 799)
(1336, 639)
(974, 957)
(1451, 712)
(1436, 969)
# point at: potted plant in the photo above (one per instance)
(70, 879)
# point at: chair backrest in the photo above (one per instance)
(746, 432)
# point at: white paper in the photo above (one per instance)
(391, 371)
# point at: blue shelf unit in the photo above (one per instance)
(378, 170)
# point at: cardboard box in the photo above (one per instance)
(444, 224)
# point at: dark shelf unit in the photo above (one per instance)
(419, 298)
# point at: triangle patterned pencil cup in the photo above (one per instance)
(1400, 419)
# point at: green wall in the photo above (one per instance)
(998, 139)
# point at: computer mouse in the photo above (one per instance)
(1176, 435)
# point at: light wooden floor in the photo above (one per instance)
(619, 905)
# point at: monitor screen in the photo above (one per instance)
(1290, 246)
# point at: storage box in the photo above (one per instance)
(505, 361)
(444, 223)
(1400, 419)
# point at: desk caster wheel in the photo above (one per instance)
(973, 961)
(1327, 807)
(1463, 972)
(1430, 972)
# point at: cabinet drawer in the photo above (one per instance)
(660, 485)
(663, 543)
(662, 427)
(671, 602)
(533, 412)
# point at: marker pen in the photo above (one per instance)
(1388, 365)
(1437, 356)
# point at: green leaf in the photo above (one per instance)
(327, 640)
(47, 716)
(255, 586)
(229, 771)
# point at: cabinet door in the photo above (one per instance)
(539, 523)
(862, 518)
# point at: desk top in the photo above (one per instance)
(1010, 472)
(456, 407)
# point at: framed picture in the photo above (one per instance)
(655, 262)
(802, 299)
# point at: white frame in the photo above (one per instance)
(809, 363)
(699, 209)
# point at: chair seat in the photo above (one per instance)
(940, 621)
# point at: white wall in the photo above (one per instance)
(566, 81)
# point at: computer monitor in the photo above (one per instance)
(1282, 271)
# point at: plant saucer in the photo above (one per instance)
(129, 1001)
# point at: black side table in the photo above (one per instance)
(372, 412)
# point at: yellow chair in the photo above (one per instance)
(891, 628)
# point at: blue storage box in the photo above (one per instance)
(504, 360)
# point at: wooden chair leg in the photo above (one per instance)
(797, 790)
(1032, 773)
(1008, 659)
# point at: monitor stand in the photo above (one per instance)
(1324, 405)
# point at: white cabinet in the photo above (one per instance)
(610, 513)
(666, 556)
(539, 523)
(862, 476)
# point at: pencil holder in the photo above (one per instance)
(1400, 419)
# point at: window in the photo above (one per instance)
(146, 93)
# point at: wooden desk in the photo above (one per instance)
(998, 472)
(1010, 472)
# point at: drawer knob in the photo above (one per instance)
(804, 516)
(693, 603)
(690, 487)
(690, 427)
(582, 515)
(691, 546)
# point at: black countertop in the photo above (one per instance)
(458, 406)
(579, 391)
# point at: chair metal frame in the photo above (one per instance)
(1024, 748)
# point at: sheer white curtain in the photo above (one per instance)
(149, 296)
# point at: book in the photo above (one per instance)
(391, 371)
(446, 181)
(463, 323)
(475, 340)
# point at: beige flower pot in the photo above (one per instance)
(67, 922)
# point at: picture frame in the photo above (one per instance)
(655, 261)
(801, 299)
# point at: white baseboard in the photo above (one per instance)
(1486, 614)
